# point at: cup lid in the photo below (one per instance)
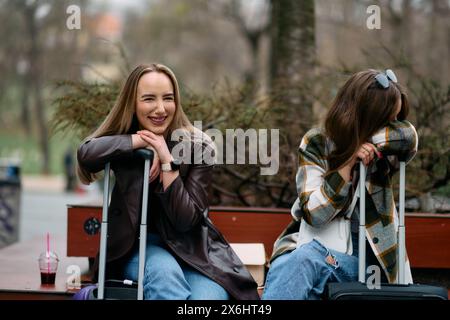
(48, 255)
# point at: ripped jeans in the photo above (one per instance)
(303, 273)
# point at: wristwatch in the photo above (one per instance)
(173, 165)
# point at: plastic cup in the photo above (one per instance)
(48, 265)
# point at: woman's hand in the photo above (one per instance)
(138, 142)
(158, 143)
(366, 153)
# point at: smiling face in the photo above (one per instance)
(155, 102)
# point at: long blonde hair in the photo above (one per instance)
(120, 118)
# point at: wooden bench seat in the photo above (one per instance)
(427, 238)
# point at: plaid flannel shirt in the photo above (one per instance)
(322, 195)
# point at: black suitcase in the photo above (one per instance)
(400, 291)
(112, 289)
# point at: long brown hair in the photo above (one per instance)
(361, 108)
(120, 118)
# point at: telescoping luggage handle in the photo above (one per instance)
(362, 225)
(148, 156)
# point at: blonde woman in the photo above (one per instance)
(187, 257)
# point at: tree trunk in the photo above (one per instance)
(293, 57)
(438, 29)
(25, 108)
(36, 85)
(254, 37)
(402, 22)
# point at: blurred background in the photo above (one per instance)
(240, 64)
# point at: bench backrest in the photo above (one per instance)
(427, 235)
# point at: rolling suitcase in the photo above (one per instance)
(400, 291)
(123, 289)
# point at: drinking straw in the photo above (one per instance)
(48, 252)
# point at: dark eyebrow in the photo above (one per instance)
(168, 94)
(147, 95)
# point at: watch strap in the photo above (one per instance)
(166, 167)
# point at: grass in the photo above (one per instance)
(18, 145)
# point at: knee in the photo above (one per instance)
(217, 293)
(162, 272)
(304, 254)
(165, 282)
(203, 287)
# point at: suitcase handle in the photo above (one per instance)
(145, 153)
(148, 156)
(362, 225)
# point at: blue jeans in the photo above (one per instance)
(165, 278)
(303, 273)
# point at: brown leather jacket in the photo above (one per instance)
(182, 220)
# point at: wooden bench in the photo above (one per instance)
(428, 240)
(238, 225)
(427, 235)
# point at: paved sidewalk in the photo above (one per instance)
(44, 205)
(42, 183)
